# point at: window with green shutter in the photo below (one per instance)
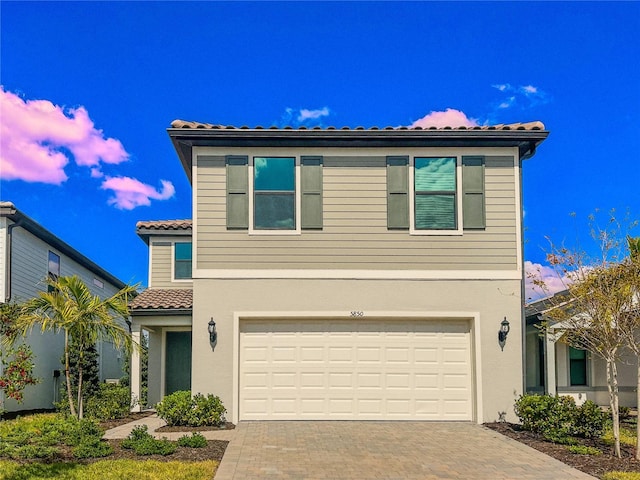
(435, 193)
(428, 195)
(274, 193)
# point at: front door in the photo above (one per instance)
(177, 362)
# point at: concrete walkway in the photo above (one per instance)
(373, 450)
(154, 422)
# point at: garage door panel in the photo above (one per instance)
(343, 370)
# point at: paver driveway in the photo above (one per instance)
(377, 450)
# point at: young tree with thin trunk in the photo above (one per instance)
(596, 304)
(630, 326)
(70, 307)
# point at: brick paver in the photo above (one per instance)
(382, 450)
(371, 450)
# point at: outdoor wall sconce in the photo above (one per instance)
(213, 334)
(503, 332)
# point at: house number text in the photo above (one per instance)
(357, 314)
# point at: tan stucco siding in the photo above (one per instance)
(354, 233)
(498, 373)
(161, 259)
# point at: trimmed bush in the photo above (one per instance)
(111, 402)
(181, 409)
(557, 418)
(92, 449)
(195, 440)
(143, 443)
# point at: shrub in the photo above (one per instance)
(195, 440)
(557, 418)
(143, 443)
(81, 431)
(590, 420)
(175, 409)
(584, 450)
(92, 449)
(33, 451)
(181, 409)
(111, 402)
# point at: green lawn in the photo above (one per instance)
(109, 470)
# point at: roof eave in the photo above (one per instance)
(160, 311)
(184, 139)
(146, 233)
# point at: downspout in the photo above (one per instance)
(8, 258)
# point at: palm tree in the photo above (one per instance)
(70, 306)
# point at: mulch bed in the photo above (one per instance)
(225, 426)
(132, 417)
(596, 465)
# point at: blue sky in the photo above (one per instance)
(113, 75)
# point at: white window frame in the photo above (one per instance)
(298, 197)
(412, 197)
(173, 263)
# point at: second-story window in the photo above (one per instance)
(182, 260)
(274, 189)
(53, 269)
(435, 193)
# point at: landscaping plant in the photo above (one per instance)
(195, 440)
(181, 409)
(558, 419)
(143, 443)
(70, 306)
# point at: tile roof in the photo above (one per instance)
(163, 299)
(510, 126)
(166, 225)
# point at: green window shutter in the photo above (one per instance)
(237, 192)
(473, 201)
(398, 192)
(311, 198)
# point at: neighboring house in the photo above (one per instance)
(345, 274)
(28, 255)
(556, 368)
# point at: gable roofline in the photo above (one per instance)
(9, 210)
(186, 135)
(146, 229)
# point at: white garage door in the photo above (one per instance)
(355, 370)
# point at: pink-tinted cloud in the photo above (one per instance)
(449, 118)
(542, 281)
(37, 136)
(130, 193)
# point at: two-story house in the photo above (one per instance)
(29, 254)
(343, 274)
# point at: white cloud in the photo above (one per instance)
(130, 193)
(524, 96)
(306, 114)
(298, 117)
(447, 118)
(40, 139)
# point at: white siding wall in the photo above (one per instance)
(28, 269)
